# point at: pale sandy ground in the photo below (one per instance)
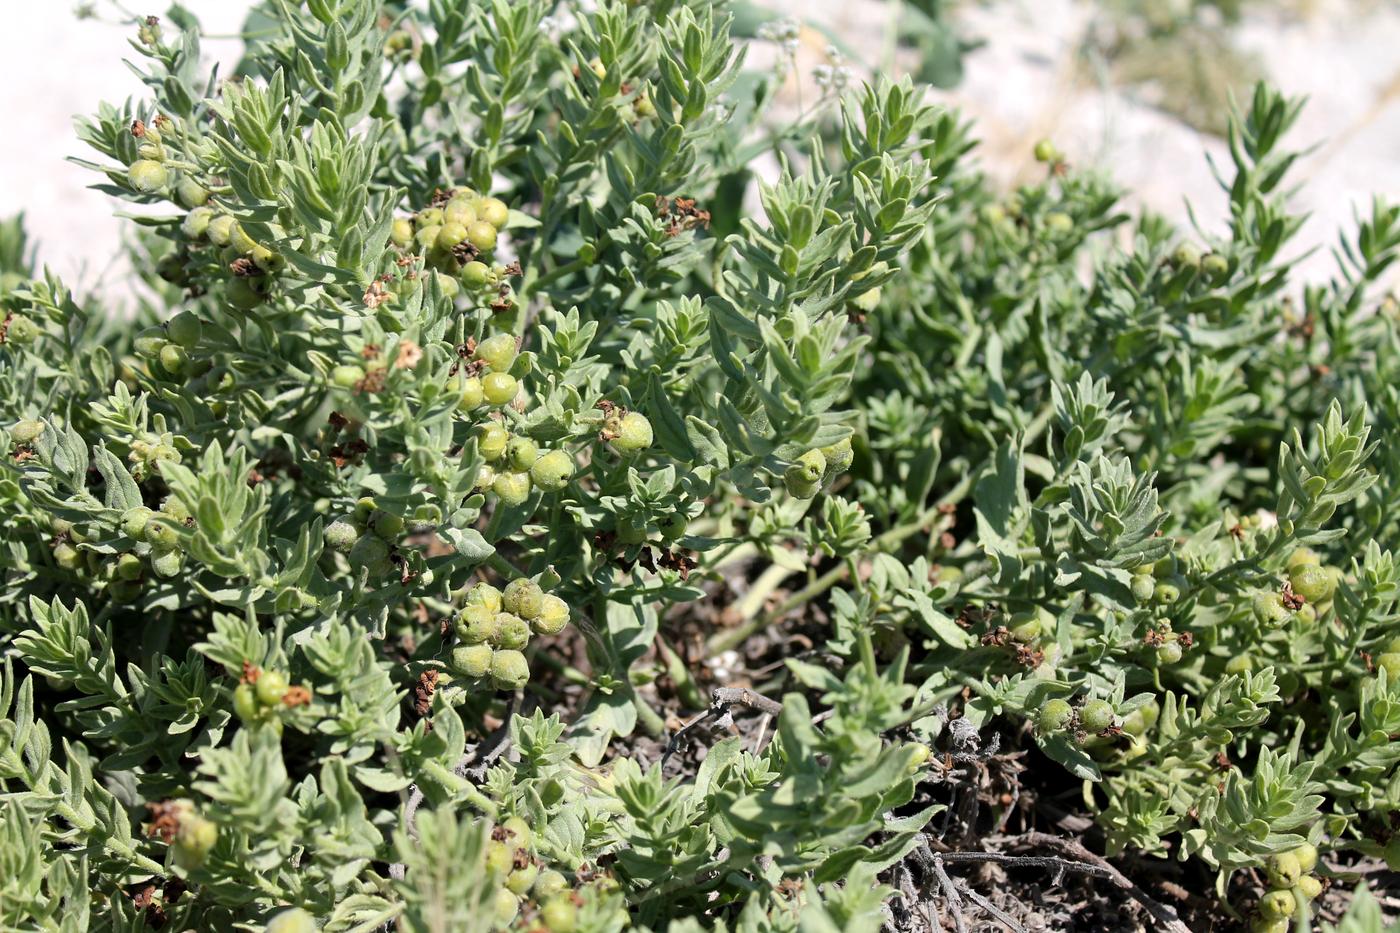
(1022, 85)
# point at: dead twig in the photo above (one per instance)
(721, 702)
(950, 894)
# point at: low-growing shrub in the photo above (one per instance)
(483, 412)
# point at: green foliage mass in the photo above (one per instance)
(474, 358)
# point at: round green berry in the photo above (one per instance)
(426, 237)
(246, 292)
(1389, 662)
(1215, 266)
(1277, 904)
(548, 884)
(509, 670)
(340, 536)
(428, 217)
(147, 175)
(500, 389)
(518, 832)
(476, 274)
(271, 687)
(1054, 715)
(553, 616)
(482, 235)
(191, 193)
(868, 300)
(167, 563)
(511, 631)
(552, 471)
(506, 907)
(1045, 151)
(401, 233)
(460, 210)
(1026, 627)
(1186, 256)
(1169, 653)
(1269, 609)
(449, 235)
(1283, 870)
(493, 211)
(1166, 594)
(387, 525)
(1301, 557)
(173, 359)
(477, 625)
(498, 352)
(1312, 582)
(196, 223)
(1144, 587)
(293, 920)
(499, 858)
(220, 230)
(522, 879)
(511, 488)
(559, 914)
(1306, 854)
(134, 521)
(491, 443)
(347, 376)
(195, 838)
(160, 533)
(808, 468)
(1058, 222)
(1096, 715)
(27, 431)
(121, 591)
(1309, 886)
(129, 567)
(185, 329)
(631, 433)
(523, 597)
(371, 552)
(838, 459)
(521, 454)
(245, 703)
(472, 660)
(484, 594)
(472, 394)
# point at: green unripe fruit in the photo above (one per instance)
(631, 433)
(524, 598)
(185, 329)
(191, 193)
(1054, 715)
(239, 239)
(475, 274)
(838, 459)
(167, 563)
(340, 536)
(1144, 587)
(245, 703)
(500, 858)
(428, 217)
(511, 631)
(1301, 557)
(509, 670)
(559, 914)
(511, 488)
(426, 237)
(1283, 870)
(370, 551)
(553, 616)
(1215, 267)
(1166, 593)
(1312, 582)
(401, 233)
(506, 907)
(425, 518)
(631, 530)
(1309, 886)
(493, 211)
(195, 838)
(1096, 715)
(498, 352)
(129, 567)
(271, 687)
(27, 431)
(472, 394)
(521, 453)
(150, 342)
(161, 534)
(1058, 222)
(1135, 724)
(1390, 663)
(1306, 854)
(147, 175)
(460, 210)
(1045, 151)
(477, 625)
(522, 879)
(347, 376)
(500, 389)
(492, 442)
(387, 525)
(519, 833)
(808, 468)
(247, 292)
(67, 556)
(482, 235)
(1169, 653)
(1239, 664)
(134, 522)
(472, 660)
(220, 230)
(676, 525)
(1275, 925)
(173, 359)
(486, 595)
(552, 471)
(449, 235)
(195, 226)
(1277, 904)
(1026, 627)
(267, 260)
(294, 920)
(1185, 256)
(1269, 609)
(548, 884)
(868, 300)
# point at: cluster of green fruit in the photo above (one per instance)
(251, 265)
(155, 547)
(1094, 717)
(1157, 584)
(1308, 581)
(454, 233)
(510, 856)
(815, 469)
(167, 347)
(1291, 885)
(367, 535)
(262, 696)
(494, 626)
(151, 173)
